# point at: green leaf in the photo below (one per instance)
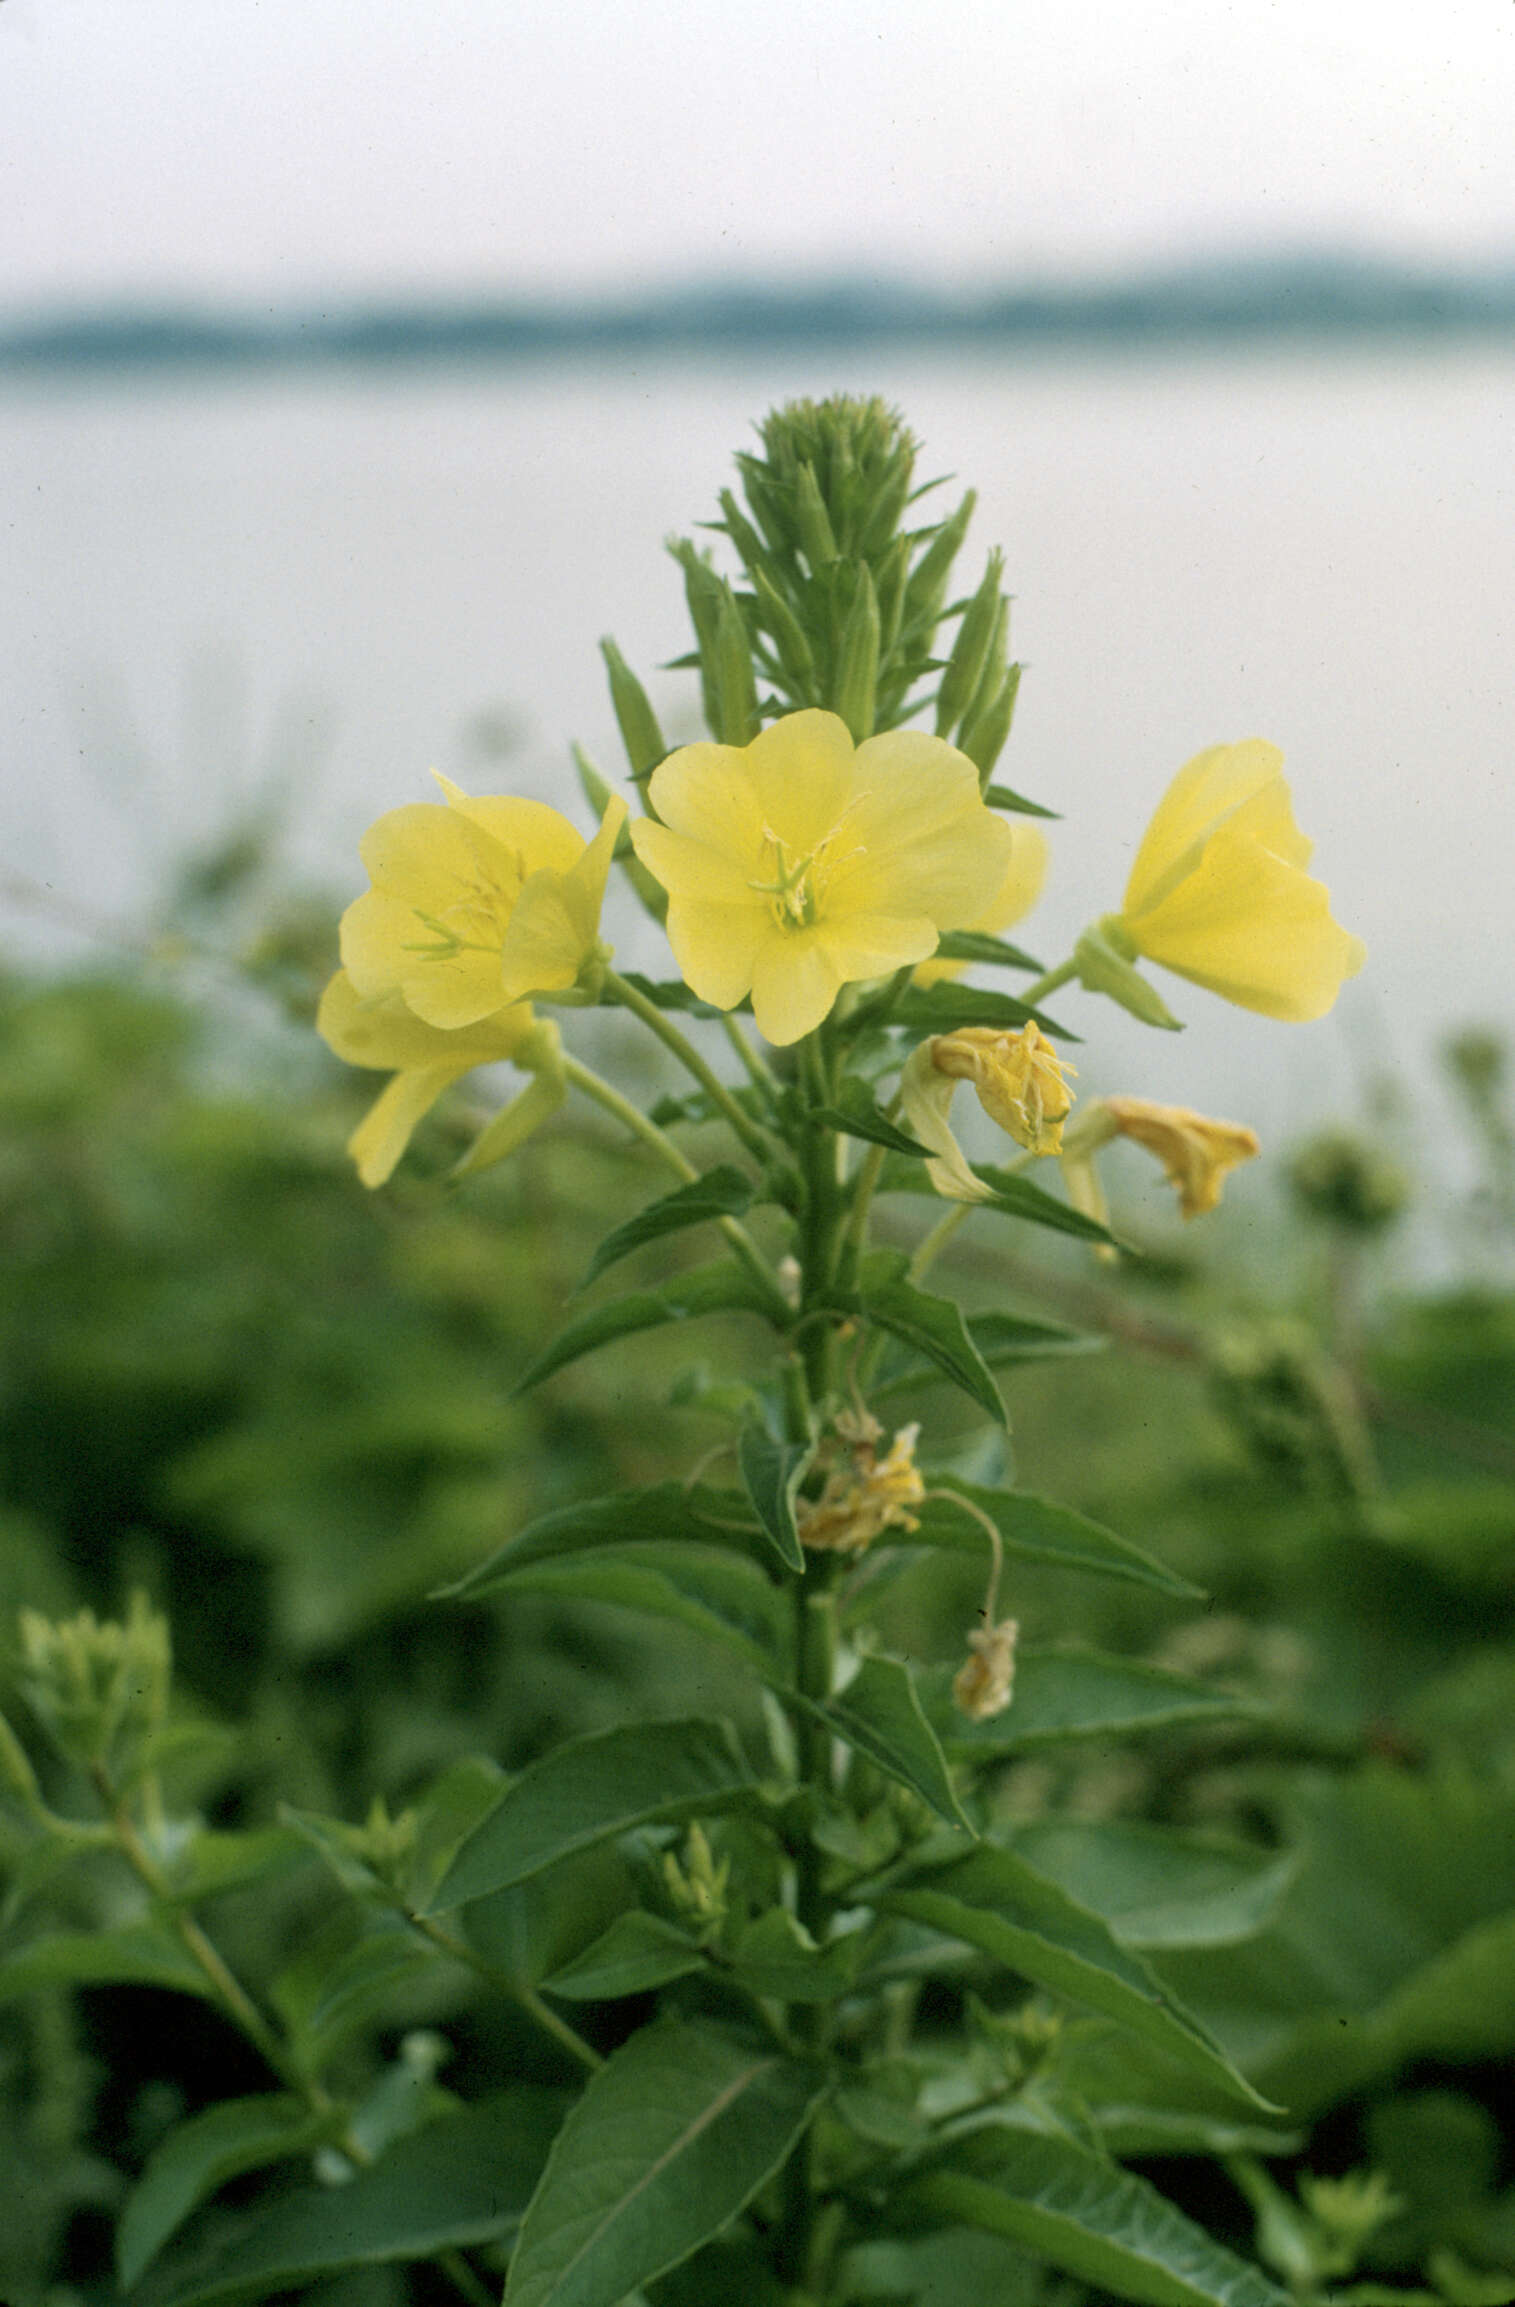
(858, 1114)
(201, 2155)
(933, 1326)
(638, 1952)
(136, 1955)
(1017, 1197)
(993, 1899)
(670, 993)
(720, 1192)
(463, 2180)
(881, 1716)
(723, 1596)
(943, 1007)
(344, 1978)
(772, 1472)
(1002, 797)
(213, 1862)
(672, 2137)
(978, 945)
(1156, 1888)
(663, 1510)
(1003, 1340)
(590, 1789)
(1396, 1941)
(1040, 1530)
(1071, 1694)
(1102, 2224)
(715, 1289)
(777, 1956)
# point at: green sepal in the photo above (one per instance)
(732, 680)
(987, 733)
(638, 724)
(1103, 968)
(975, 631)
(1015, 804)
(855, 683)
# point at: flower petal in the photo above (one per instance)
(717, 946)
(385, 1034)
(1204, 792)
(794, 983)
(386, 1129)
(539, 837)
(706, 794)
(1250, 926)
(804, 773)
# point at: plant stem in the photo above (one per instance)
(759, 1072)
(528, 1998)
(1032, 994)
(931, 1245)
(689, 1057)
(641, 1125)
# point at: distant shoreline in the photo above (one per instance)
(1242, 304)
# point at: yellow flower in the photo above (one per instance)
(1197, 1153)
(984, 1684)
(864, 1499)
(425, 1060)
(476, 905)
(1017, 893)
(1020, 1081)
(1220, 894)
(797, 864)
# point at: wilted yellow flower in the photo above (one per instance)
(984, 1684)
(476, 904)
(1220, 894)
(1021, 1084)
(867, 1496)
(1017, 893)
(1196, 1152)
(798, 863)
(425, 1060)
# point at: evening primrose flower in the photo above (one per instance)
(475, 905)
(868, 1496)
(1197, 1153)
(985, 1682)
(1219, 891)
(1022, 885)
(798, 864)
(425, 1060)
(1021, 1084)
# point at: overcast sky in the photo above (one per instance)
(278, 149)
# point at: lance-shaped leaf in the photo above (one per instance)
(725, 1597)
(713, 1289)
(1071, 1694)
(672, 2137)
(857, 1114)
(1156, 1888)
(933, 1326)
(463, 2180)
(136, 1955)
(639, 1951)
(1102, 2224)
(722, 1192)
(1040, 1530)
(590, 1789)
(1003, 1340)
(773, 1472)
(881, 1716)
(978, 945)
(663, 1510)
(943, 1007)
(1013, 1197)
(1005, 797)
(993, 1899)
(201, 2155)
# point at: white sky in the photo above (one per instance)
(283, 148)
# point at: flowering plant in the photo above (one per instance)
(816, 2002)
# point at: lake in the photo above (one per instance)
(349, 578)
